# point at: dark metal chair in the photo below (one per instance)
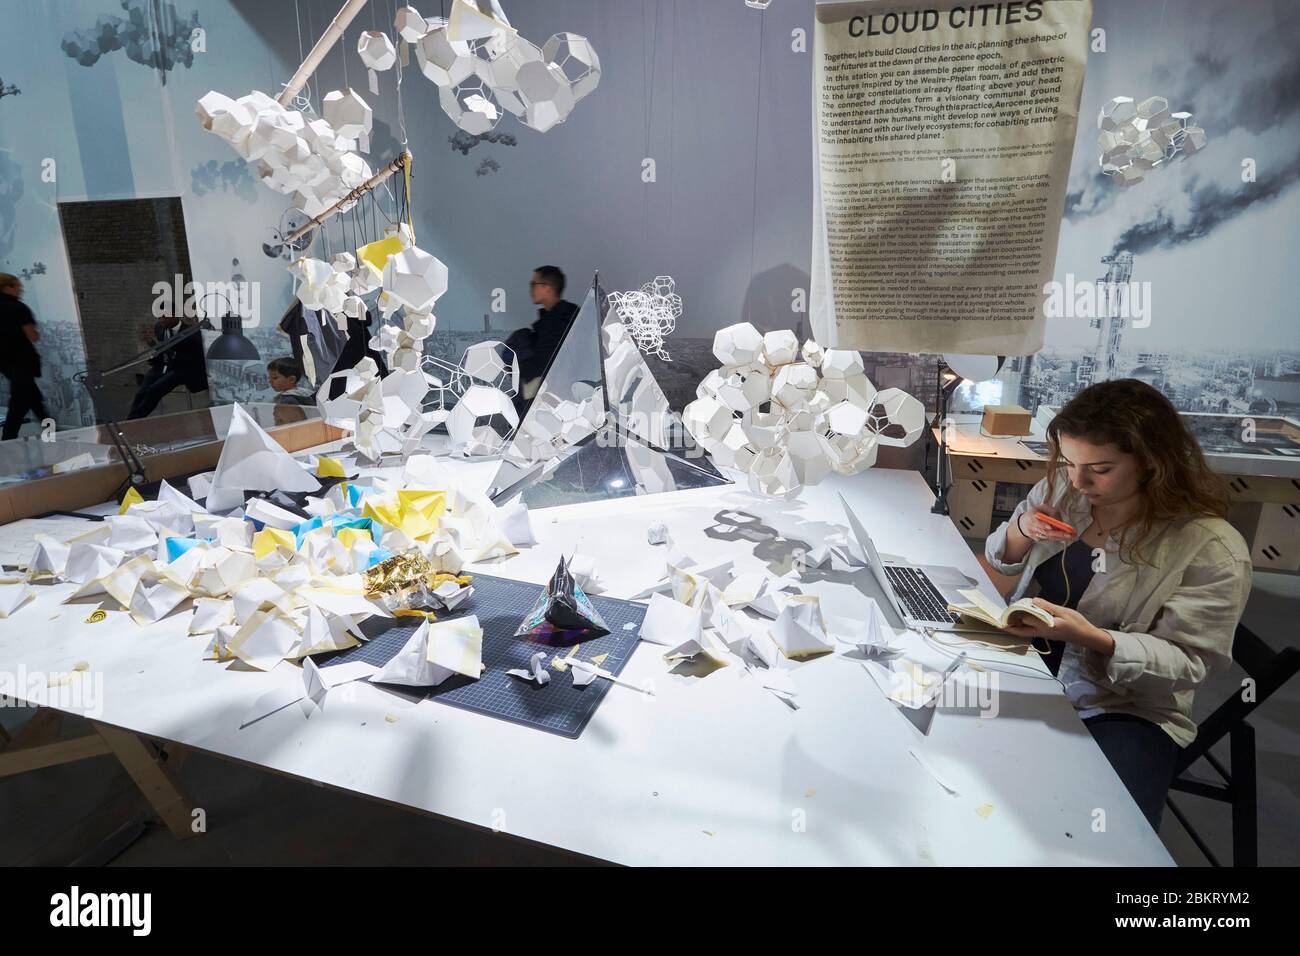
(1269, 670)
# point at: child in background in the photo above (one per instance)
(284, 374)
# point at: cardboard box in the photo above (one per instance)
(1005, 420)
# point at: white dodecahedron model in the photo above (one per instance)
(576, 59)
(896, 417)
(482, 421)
(348, 113)
(498, 64)
(409, 24)
(415, 278)
(787, 423)
(738, 345)
(444, 61)
(471, 106)
(781, 347)
(545, 92)
(376, 50)
(491, 364)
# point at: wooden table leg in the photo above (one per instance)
(43, 727)
(151, 774)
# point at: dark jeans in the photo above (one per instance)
(1143, 755)
(152, 390)
(24, 397)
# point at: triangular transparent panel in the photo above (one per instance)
(600, 426)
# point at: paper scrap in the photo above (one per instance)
(669, 622)
(926, 766)
(536, 671)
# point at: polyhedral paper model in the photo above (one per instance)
(1137, 137)
(484, 69)
(787, 423)
(563, 614)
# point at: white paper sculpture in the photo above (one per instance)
(392, 415)
(415, 278)
(492, 364)
(471, 105)
(376, 50)
(1137, 137)
(294, 153)
(649, 314)
(409, 24)
(444, 62)
(347, 112)
(477, 19)
(787, 423)
(576, 59)
(483, 68)
(482, 421)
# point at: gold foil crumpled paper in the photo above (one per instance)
(405, 580)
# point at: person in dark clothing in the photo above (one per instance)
(19, 360)
(535, 345)
(184, 364)
(357, 348)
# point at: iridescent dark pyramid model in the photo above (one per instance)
(600, 425)
(563, 614)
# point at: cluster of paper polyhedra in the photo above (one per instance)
(556, 422)
(649, 314)
(392, 414)
(787, 417)
(482, 387)
(311, 160)
(1137, 137)
(484, 69)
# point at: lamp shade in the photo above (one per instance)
(231, 345)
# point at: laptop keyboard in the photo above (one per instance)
(918, 595)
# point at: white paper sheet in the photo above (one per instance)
(670, 622)
(251, 460)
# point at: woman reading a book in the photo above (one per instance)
(1125, 544)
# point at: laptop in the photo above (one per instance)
(920, 593)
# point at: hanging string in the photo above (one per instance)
(313, 81)
(297, 19)
(401, 113)
(343, 52)
(758, 120)
(672, 124)
(407, 163)
(648, 77)
(1151, 65)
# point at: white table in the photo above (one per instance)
(707, 771)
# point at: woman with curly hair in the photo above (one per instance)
(1145, 588)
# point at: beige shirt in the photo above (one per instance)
(1172, 619)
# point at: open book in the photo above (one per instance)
(980, 609)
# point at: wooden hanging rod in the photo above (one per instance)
(398, 163)
(326, 43)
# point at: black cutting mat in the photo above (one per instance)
(501, 604)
